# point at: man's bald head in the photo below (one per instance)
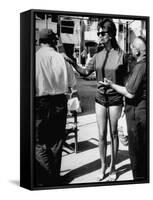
(139, 45)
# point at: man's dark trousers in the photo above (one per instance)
(137, 134)
(51, 112)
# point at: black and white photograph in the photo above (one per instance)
(89, 99)
(66, 68)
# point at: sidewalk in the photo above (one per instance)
(84, 166)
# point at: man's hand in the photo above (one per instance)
(105, 83)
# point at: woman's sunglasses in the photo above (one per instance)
(101, 33)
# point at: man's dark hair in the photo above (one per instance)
(48, 37)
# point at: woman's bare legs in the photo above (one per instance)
(114, 114)
(101, 115)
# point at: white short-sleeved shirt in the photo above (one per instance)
(53, 74)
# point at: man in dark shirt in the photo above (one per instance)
(135, 93)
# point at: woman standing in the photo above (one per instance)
(108, 63)
(135, 92)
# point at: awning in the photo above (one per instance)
(69, 38)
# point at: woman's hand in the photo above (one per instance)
(68, 59)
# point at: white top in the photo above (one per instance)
(53, 74)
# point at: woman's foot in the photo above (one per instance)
(101, 177)
(112, 176)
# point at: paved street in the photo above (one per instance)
(84, 166)
(86, 91)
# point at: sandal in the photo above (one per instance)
(101, 177)
(112, 177)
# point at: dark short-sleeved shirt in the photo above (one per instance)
(114, 68)
(136, 83)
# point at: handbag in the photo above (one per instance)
(74, 104)
(122, 128)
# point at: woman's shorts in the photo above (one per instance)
(109, 99)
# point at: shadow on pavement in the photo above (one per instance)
(123, 169)
(122, 155)
(80, 171)
(95, 165)
(86, 145)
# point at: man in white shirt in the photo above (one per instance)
(53, 78)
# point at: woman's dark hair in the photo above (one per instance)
(108, 25)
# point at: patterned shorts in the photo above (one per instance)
(109, 99)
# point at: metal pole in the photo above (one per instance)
(127, 37)
(46, 20)
(81, 37)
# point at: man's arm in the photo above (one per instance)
(120, 89)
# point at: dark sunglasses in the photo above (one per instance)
(101, 33)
